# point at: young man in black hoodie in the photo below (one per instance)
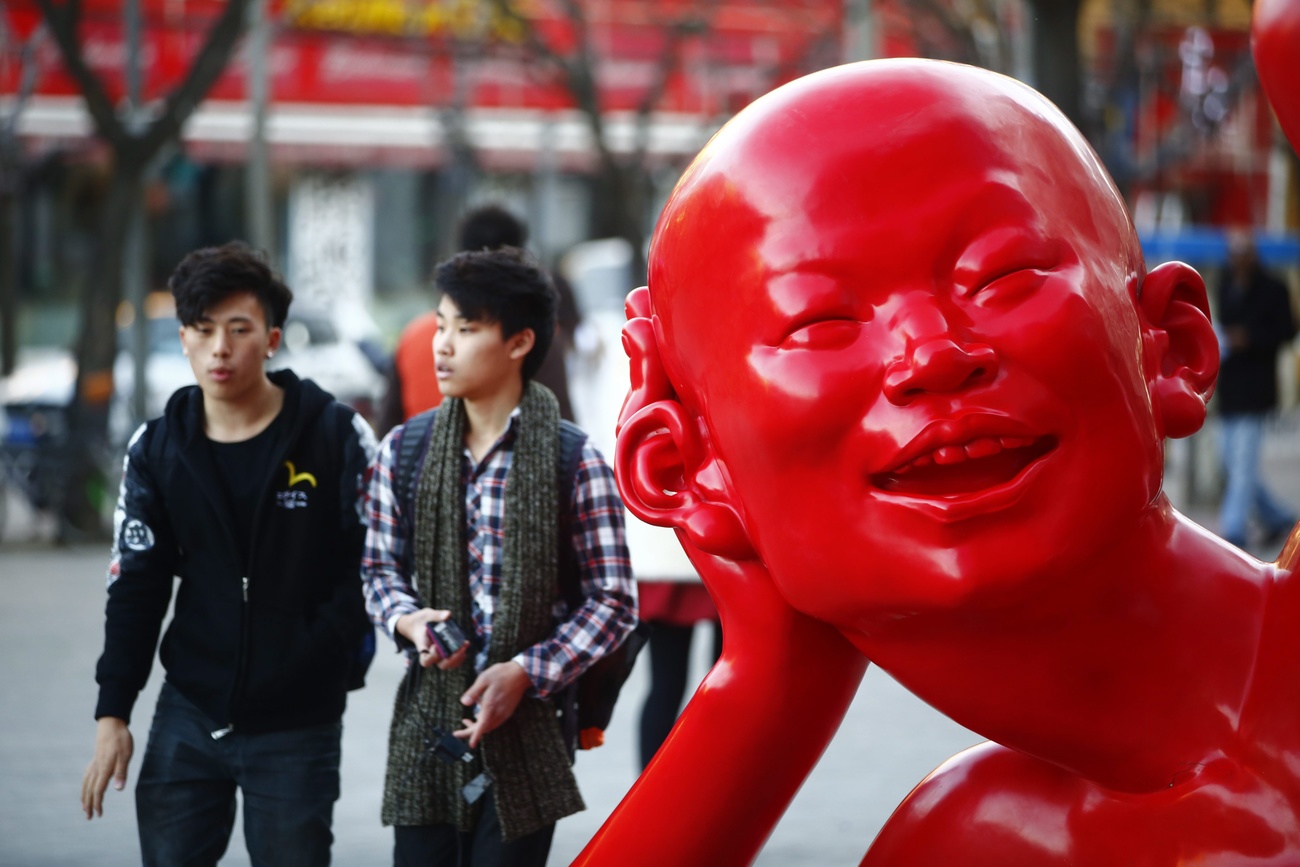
(247, 488)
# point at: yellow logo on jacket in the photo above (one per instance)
(295, 477)
(291, 499)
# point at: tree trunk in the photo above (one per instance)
(133, 150)
(96, 351)
(619, 207)
(1056, 55)
(9, 190)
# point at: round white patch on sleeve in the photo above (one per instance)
(137, 536)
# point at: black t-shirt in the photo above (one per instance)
(245, 469)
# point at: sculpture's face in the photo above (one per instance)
(905, 316)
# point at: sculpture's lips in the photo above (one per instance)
(965, 466)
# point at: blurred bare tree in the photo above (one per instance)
(571, 55)
(1037, 40)
(13, 173)
(1058, 71)
(966, 31)
(134, 140)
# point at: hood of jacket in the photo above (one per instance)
(304, 401)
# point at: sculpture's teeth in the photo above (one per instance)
(983, 447)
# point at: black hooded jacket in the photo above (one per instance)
(266, 648)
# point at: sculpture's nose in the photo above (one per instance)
(935, 359)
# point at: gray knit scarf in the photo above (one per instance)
(533, 781)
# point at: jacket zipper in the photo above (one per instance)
(230, 727)
(219, 508)
(245, 633)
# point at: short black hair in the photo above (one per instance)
(490, 227)
(208, 276)
(507, 286)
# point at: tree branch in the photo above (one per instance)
(63, 23)
(680, 30)
(578, 70)
(207, 67)
(951, 22)
(27, 74)
(532, 39)
(210, 61)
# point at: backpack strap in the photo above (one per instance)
(572, 439)
(587, 704)
(412, 443)
(337, 424)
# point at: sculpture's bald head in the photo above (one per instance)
(900, 297)
(882, 161)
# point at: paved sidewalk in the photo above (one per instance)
(50, 637)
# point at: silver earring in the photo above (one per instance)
(270, 353)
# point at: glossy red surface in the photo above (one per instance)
(1275, 43)
(901, 382)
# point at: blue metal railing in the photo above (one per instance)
(1208, 245)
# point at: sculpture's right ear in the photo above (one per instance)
(668, 473)
(668, 476)
(1180, 348)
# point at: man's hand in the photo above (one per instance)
(412, 626)
(113, 749)
(497, 692)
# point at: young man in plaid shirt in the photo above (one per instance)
(485, 534)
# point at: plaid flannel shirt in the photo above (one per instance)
(580, 637)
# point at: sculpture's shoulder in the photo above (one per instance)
(1272, 705)
(988, 806)
(993, 806)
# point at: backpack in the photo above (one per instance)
(364, 653)
(587, 704)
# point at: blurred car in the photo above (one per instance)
(34, 399)
(34, 432)
(314, 348)
(41, 386)
(166, 368)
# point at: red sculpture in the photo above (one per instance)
(1275, 44)
(901, 383)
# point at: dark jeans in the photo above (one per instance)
(444, 846)
(185, 796)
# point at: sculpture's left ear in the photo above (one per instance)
(669, 476)
(1180, 349)
(668, 473)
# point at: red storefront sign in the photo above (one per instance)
(1196, 122)
(742, 50)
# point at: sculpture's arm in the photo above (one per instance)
(748, 738)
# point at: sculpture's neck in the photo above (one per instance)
(1125, 683)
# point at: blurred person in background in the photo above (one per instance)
(672, 599)
(673, 606)
(1255, 323)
